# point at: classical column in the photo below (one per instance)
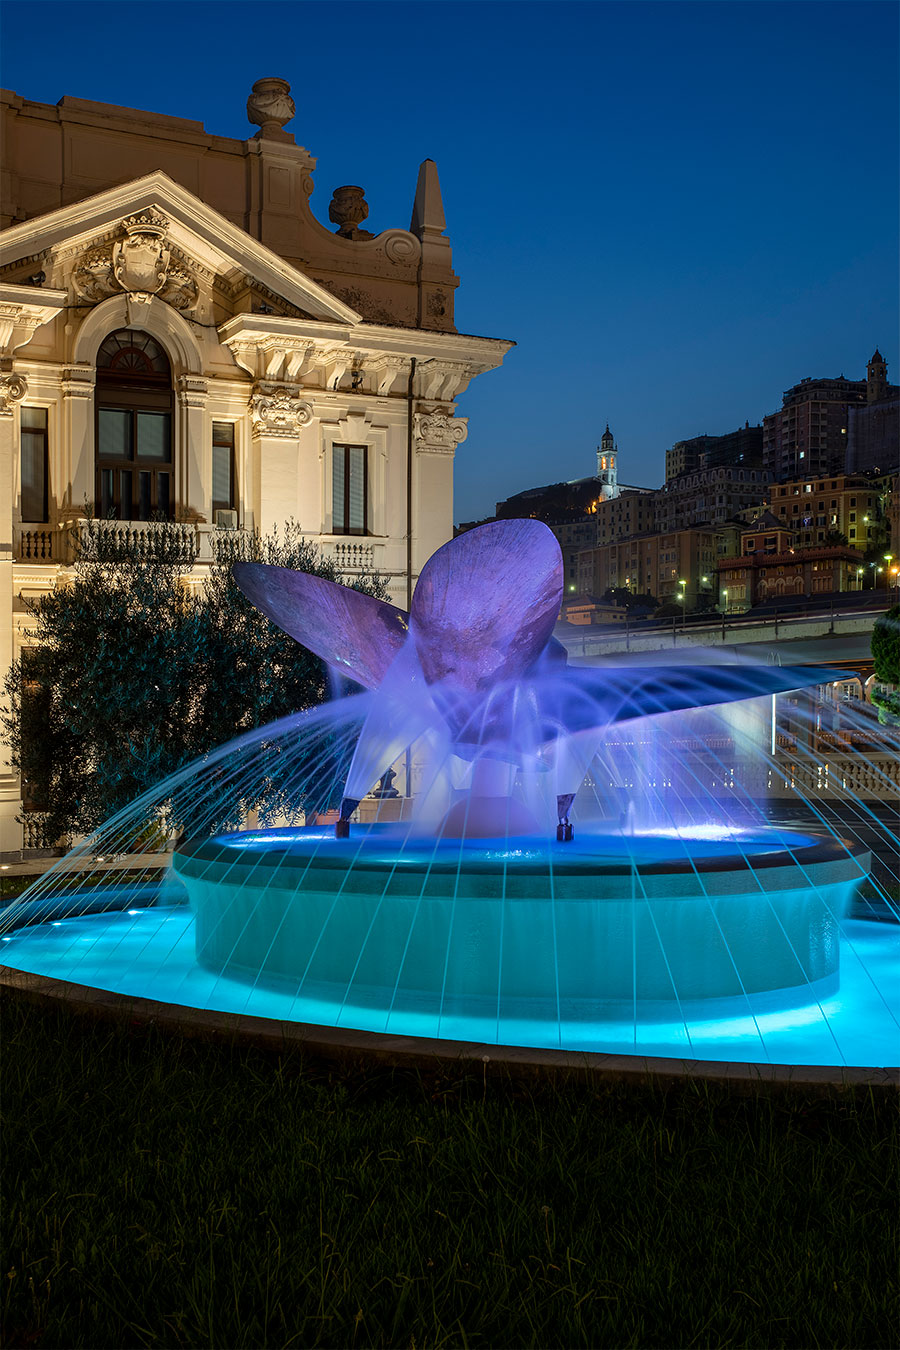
(193, 447)
(78, 467)
(12, 389)
(277, 414)
(436, 433)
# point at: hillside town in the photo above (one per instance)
(802, 507)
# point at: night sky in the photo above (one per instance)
(676, 210)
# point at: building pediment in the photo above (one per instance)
(153, 238)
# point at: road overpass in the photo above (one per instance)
(841, 640)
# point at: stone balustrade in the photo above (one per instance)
(37, 543)
(351, 556)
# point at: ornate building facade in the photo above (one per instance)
(182, 340)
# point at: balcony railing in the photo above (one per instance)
(107, 541)
(150, 541)
(38, 543)
(171, 541)
(349, 555)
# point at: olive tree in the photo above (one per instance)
(132, 673)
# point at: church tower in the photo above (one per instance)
(607, 454)
(876, 378)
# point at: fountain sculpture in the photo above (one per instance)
(564, 878)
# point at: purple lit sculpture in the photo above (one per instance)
(474, 654)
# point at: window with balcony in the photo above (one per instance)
(134, 456)
(34, 459)
(349, 489)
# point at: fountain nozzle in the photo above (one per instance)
(564, 831)
(342, 824)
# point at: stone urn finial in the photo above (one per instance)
(347, 210)
(269, 106)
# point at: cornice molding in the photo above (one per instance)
(461, 358)
(158, 192)
(23, 309)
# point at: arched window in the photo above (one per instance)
(134, 428)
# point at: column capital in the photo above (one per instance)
(278, 410)
(193, 391)
(13, 388)
(438, 433)
(78, 381)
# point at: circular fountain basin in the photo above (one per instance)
(609, 926)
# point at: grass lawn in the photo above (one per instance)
(168, 1192)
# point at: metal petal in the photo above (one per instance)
(485, 604)
(358, 635)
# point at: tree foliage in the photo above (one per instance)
(886, 646)
(134, 672)
(886, 656)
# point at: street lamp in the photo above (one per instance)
(683, 599)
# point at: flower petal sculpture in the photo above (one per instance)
(475, 649)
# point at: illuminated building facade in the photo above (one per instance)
(182, 340)
(808, 435)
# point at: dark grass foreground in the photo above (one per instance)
(166, 1192)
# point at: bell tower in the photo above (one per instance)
(607, 454)
(876, 378)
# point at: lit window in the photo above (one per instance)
(222, 466)
(34, 464)
(349, 490)
(134, 428)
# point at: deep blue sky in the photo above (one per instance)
(676, 210)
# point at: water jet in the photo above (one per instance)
(578, 870)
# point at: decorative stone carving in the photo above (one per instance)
(269, 106)
(402, 248)
(181, 290)
(439, 432)
(92, 278)
(333, 363)
(140, 264)
(193, 391)
(12, 389)
(386, 370)
(278, 410)
(78, 381)
(348, 209)
(17, 327)
(140, 261)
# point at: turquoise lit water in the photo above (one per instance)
(150, 953)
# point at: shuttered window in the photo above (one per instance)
(350, 489)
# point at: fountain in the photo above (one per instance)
(566, 876)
